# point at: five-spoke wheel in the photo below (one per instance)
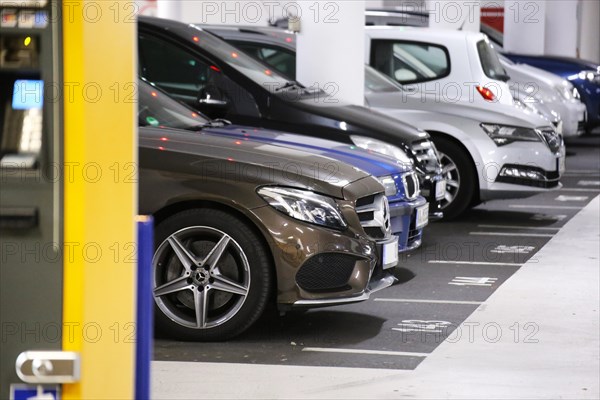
(211, 275)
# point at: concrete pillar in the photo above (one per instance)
(330, 47)
(458, 14)
(561, 28)
(589, 30)
(525, 26)
(557, 27)
(169, 9)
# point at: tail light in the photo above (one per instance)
(486, 93)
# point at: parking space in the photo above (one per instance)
(459, 266)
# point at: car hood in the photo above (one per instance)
(361, 120)
(372, 163)
(191, 152)
(528, 73)
(495, 113)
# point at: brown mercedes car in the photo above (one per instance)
(241, 222)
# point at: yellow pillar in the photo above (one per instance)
(100, 196)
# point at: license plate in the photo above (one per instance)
(440, 189)
(422, 216)
(389, 254)
(561, 165)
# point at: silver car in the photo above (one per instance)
(544, 91)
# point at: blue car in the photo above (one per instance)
(584, 75)
(408, 209)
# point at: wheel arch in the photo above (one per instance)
(438, 134)
(172, 209)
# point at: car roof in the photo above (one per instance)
(422, 33)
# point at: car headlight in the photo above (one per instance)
(305, 206)
(504, 134)
(567, 91)
(587, 75)
(389, 184)
(378, 146)
(592, 76)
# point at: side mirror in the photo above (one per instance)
(212, 102)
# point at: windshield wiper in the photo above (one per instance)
(213, 123)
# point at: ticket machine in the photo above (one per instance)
(68, 244)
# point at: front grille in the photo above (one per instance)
(426, 155)
(411, 185)
(581, 126)
(552, 139)
(326, 272)
(374, 215)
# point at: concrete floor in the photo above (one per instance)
(537, 336)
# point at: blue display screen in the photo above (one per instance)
(28, 94)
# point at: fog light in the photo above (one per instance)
(515, 172)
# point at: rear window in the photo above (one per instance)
(489, 60)
(410, 62)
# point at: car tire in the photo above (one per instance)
(211, 276)
(460, 177)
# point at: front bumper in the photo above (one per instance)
(317, 266)
(574, 117)
(535, 158)
(403, 220)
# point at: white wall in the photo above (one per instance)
(147, 7)
(239, 12)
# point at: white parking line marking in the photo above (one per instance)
(428, 301)
(472, 281)
(546, 217)
(579, 190)
(502, 249)
(359, 351)
(540, 228)
(562, 197)
(418, 325)
(540, 206)
(572, 172)
(511, 234)
(588, 183)
(475, 263)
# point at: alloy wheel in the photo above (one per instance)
(201, 277)
(452, 175)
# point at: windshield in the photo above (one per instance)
(253, 69)
(376, 82)
(489, 60)
(157, 109)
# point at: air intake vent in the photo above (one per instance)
(326, 272)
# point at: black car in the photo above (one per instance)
(222, 81)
